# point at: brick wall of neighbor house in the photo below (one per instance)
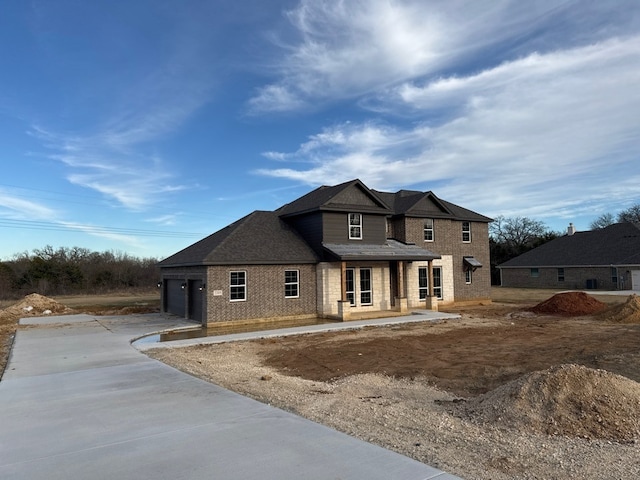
(265, 293)
(448, 241)
(575, 278)
(330, 287)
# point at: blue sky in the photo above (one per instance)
(142, 126)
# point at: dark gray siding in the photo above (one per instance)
(336, 228)
(310, 228)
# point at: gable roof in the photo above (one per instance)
(617, 244)
(259, 238)
(413, 203)
(341, 198)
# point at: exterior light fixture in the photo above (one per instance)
(183, 286)
(160, 284)
(202, 287)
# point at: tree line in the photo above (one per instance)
(75, 270)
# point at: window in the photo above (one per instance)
(466, 232)
(614, 275)
(355, 226)
(561, 274)
(238, 286)
(428, 230)
(291, 283)
(365, 286)
(423, 282)
(351, 287)
(437, 282)
(468, 276)
(534, 273)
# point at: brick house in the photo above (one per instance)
(604, 259)
(335, 252)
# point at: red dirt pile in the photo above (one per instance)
(568, 400)
(628, 312)
(570, 304)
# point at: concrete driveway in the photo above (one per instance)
(77, 401)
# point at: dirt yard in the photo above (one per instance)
(503, 393)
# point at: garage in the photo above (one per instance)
(196, 297)
(174, 297)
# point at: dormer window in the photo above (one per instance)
(355, 226)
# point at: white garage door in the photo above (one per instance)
(635, 280)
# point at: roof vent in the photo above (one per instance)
(571, 229)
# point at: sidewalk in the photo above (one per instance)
(78, 401)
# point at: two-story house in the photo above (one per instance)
(334, 252)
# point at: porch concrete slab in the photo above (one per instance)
(153, 341)
(77, 401)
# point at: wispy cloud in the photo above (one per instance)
(112, 144)
(345, 49)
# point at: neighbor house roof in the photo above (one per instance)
(617, 244)
(391, 250)
(259, 238)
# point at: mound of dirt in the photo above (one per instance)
(570, 304)
(627, 312)
(33, 305)
(568, 400)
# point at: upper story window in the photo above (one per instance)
(355, 226)
(428, 230)
(466, 232)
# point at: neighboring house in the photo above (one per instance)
(334, 252)
(606, 259)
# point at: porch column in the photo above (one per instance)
(432, 301)
(344, 306)
(402, 305)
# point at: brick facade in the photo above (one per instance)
(575, 278)
(265, 294)
(447, 241)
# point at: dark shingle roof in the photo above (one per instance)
(259, 238)
(426, 204)
(617, 244)
(341, 197)
(391, 250)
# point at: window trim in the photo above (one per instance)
(466, 231)
(560, 274)
(351, 294)
(242, 286)
(295, 284)
(429, 230)
(358, 225)
(468, 276)
(437, 288)
(423, 287)
(363, 288)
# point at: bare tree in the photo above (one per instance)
(631, 214)
(602, 221)
(517, 233)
